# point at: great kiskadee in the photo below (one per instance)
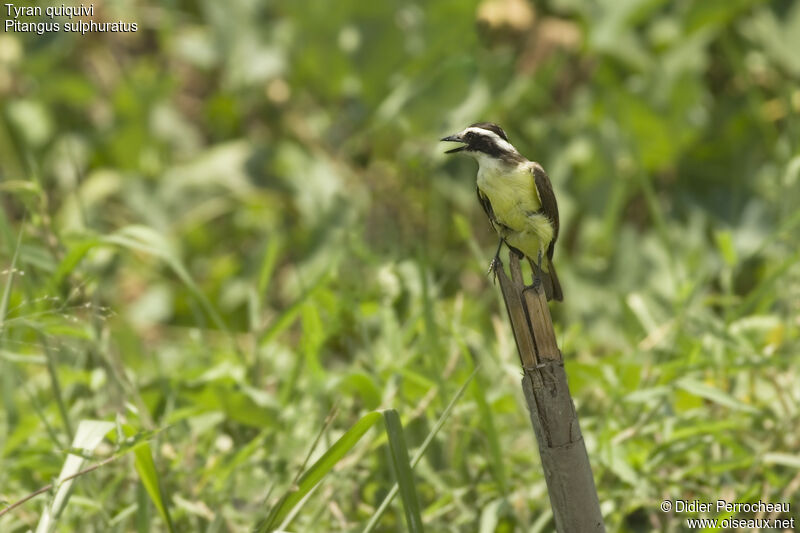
(518, 199)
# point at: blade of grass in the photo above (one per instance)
(70, 261)
(9, 282)
(52, 371)
(479, 389)
(402, 470)
(8, 401)
(766, 288)
(715, 395)
(317, 471)
(373, 521)
(50, 357)
(287, 317)
(274, 246)
(88, 436)
(143, 461)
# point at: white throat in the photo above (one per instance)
(490, 168)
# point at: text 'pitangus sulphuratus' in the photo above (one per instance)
(518, 199)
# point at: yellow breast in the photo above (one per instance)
(515, 203)
(512, 194)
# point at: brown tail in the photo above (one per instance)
(550, 283)
(555, 284)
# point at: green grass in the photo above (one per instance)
(233, 236)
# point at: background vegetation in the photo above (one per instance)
(233, 233)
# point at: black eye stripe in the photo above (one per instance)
(485, 144)
(480, 137)
(490, 126)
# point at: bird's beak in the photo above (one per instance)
(454, 138)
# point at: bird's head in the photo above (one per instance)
(484, 140)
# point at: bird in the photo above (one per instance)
(518, 198)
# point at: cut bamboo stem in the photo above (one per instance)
(570, 484)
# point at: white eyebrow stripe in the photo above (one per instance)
(498, 141)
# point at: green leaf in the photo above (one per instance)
(373, 521)
(714, 394)
(143, 461)
(491, 514)
(236, 402)
(479, 390)
(287, 317)
(71, 260)
(317, 471)
(402, 470)
(274, 246)
(364, 386)
(726, 248)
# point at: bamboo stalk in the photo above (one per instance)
(570, 484)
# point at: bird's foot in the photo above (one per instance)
(493, 266)
(535, 286)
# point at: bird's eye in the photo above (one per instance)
(469, 136)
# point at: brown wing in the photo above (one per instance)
(487, 207)
(548, 200)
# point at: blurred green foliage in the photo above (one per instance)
(238, 220)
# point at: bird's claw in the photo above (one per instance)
(493, 266)
(535, 286)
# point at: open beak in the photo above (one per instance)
(454, 138)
